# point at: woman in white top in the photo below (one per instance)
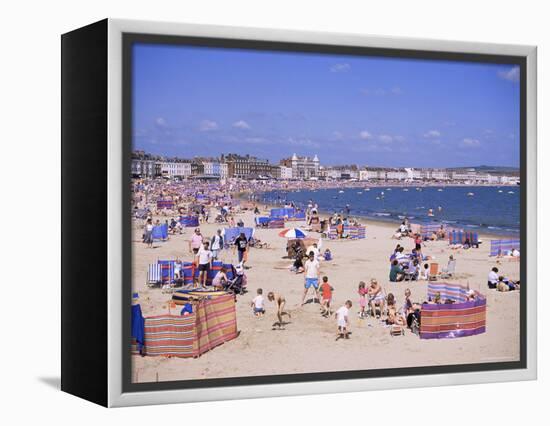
(148, 236)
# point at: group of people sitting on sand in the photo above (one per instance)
(500, 282)
(409, 266)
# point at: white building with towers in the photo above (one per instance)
(302, 167)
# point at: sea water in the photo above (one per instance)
(482, 208)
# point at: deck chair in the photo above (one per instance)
(166, 271)
(154, 275)
(449, 271)
(434, 271)
(397, 330)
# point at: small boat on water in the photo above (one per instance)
(388, 189)
(367, 189)
(500, 190)
(340, 192)
(405, 190)
(440, 190)
(510, 192)
(470, 194)
(359, 192)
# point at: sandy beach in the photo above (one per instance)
(307, 344)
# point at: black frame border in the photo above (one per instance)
(130, 39)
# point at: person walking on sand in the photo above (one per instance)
(241, 242)
(311, 277)
(342, 320)
(326, 297)
(280, 302)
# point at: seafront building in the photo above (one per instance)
(236, 166)
(302, 167)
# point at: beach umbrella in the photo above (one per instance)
(293, 233)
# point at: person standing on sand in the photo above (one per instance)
(195, 243)
(280, 301)
(148, 235)
(216, 245)
(311, 278)
(204, 257)
(242, 246)
(342, 319)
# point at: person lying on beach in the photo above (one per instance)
(326, 297)
(376, 297)
(280, 302)
(258, 303)
(504, 284)
(342, 320)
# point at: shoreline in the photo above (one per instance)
(368, 220)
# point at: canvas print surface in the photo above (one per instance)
(298, 213)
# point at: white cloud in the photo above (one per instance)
(207, 125)
(256, 140)
(302, 142)
(365, 135)
(511, 74)
(340, 68)
(161, 122)
(470, 143)
(385, 138)
(241, 124)
(381, 91)
(432, 134)
(396, 90)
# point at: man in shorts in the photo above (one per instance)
(311, 268)
(204, 257)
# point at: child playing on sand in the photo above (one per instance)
(342, 319)
(258, 303)
(326, 297)
(280, 301)
(362, 291)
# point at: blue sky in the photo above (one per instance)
(197, 101)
